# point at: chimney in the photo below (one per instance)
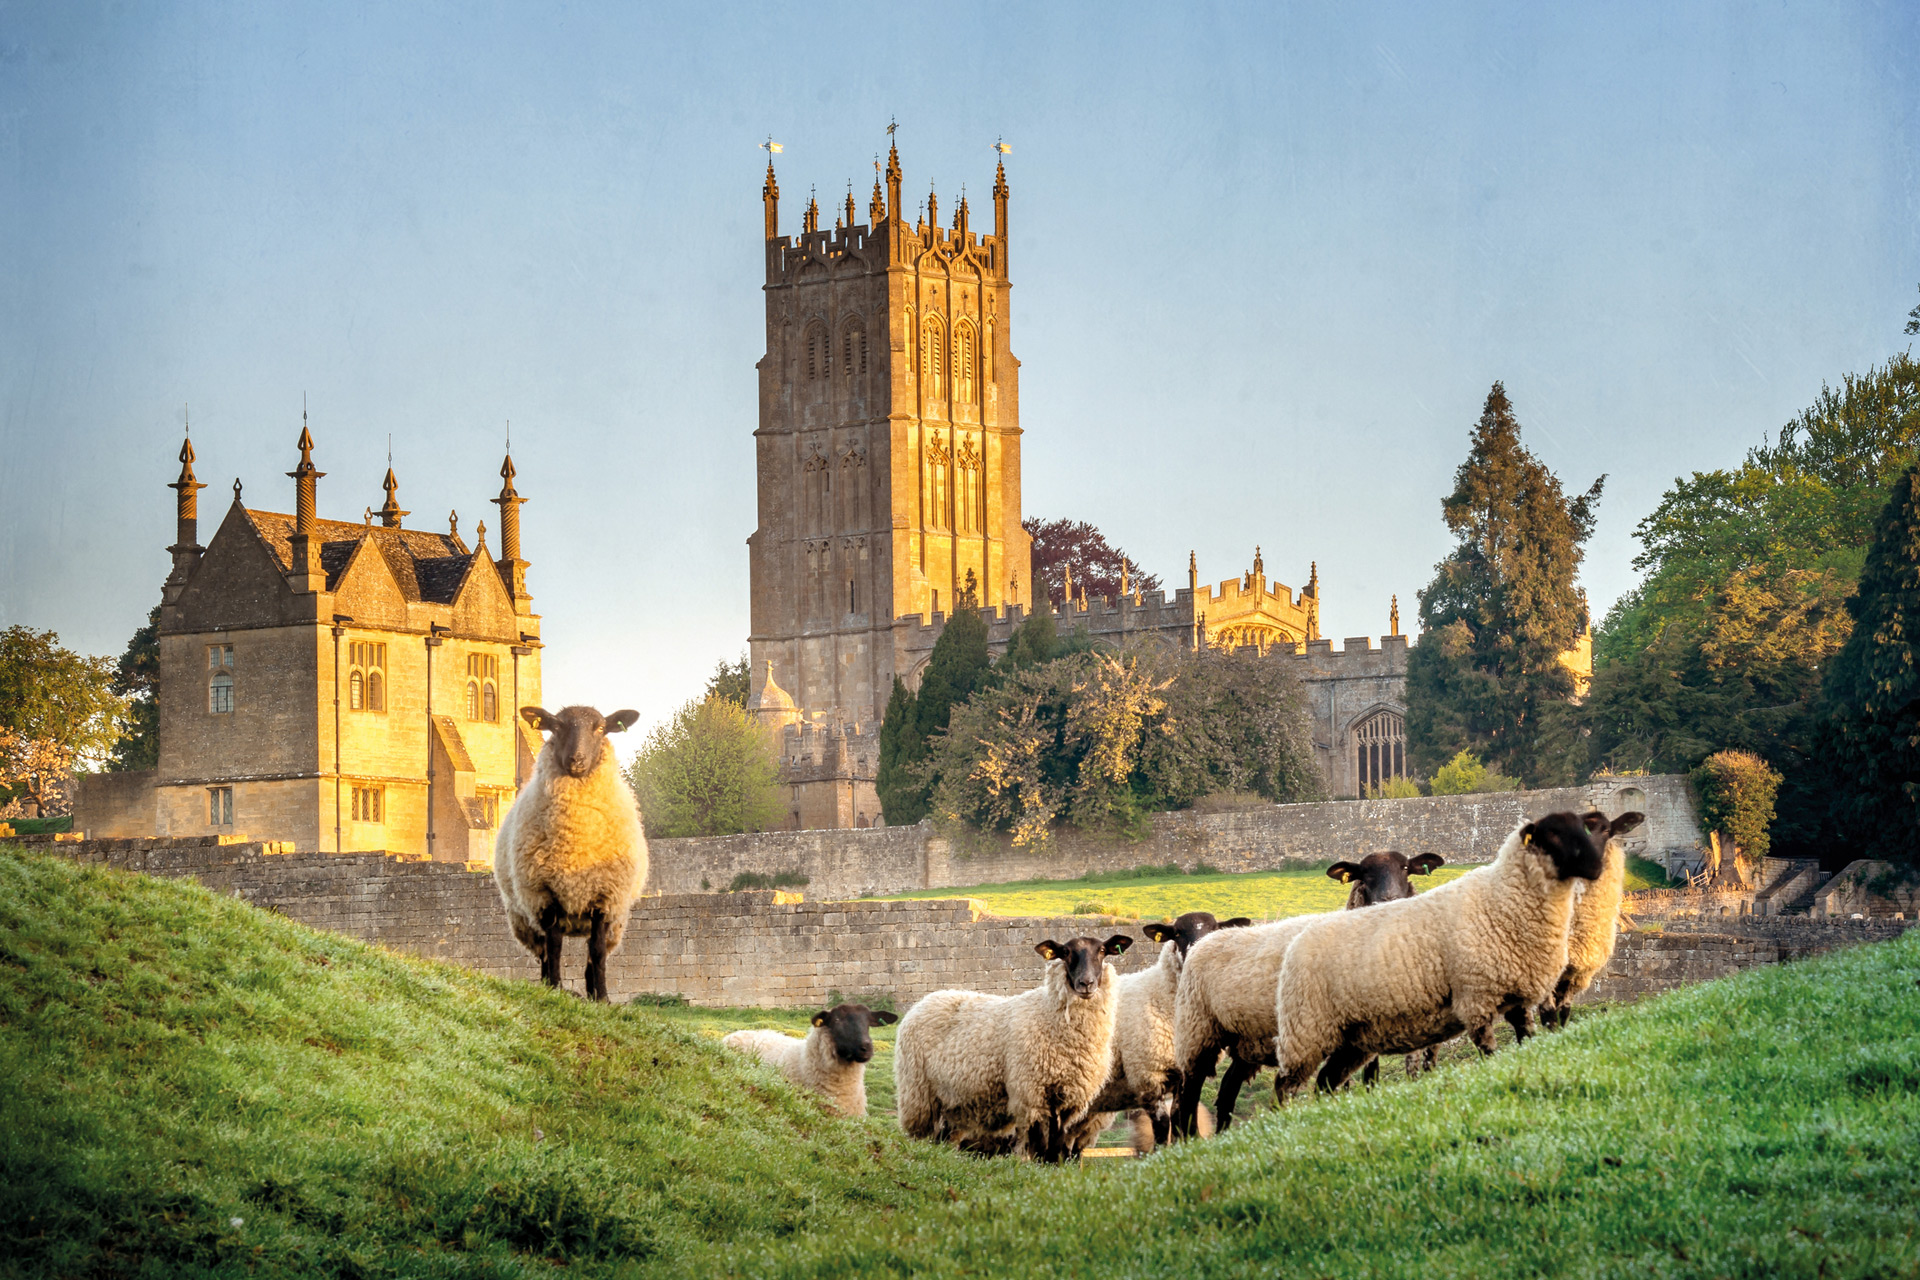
(305, 573)
(186, 546)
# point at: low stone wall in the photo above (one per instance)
(848, 864)
(770, 949)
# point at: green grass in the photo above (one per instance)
(1160, 893)
(171, 1060)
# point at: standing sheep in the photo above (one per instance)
(1595, 924)
(1018, 1071)
(1142, 1079)
(1408, 974)
(1225, 999)
(570, 856)
(832, 1058)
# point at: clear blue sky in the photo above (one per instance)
(1267, 259)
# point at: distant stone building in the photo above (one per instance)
(334, 684)
(888, 465)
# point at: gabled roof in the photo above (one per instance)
(428, 566)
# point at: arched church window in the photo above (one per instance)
(963, 356)
(817, 353)
(967, 497)
(1380, 750)
(932, 357)
(483, 703)
(357, 692)
(473, 700)
(853, 350)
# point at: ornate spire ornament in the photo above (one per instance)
(770, 191)
(513, 570)
(1393, 617)
(304, 546)
(390, 512)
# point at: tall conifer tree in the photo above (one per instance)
(1873, 685)
(957, 667)
(1501, 609)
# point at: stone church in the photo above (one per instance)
(335, 684)
(888, 469)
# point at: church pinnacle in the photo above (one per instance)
(770, 194)
(186, 547)
(390, 512)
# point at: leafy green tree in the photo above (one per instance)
(709, 771)
(1737, 790)
(1235, 722)
(1873, 686)
(1034, 642)
(1465, 775)
(731, 681)
(58, 710)
(958, 665)
(1501, 609)
(137, 680)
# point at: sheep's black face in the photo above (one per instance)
(847, 1025)
(1085, 959)
(1568, 841)
(1190, 928)
(1382, 877)
(577, 736)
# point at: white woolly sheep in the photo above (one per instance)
(1595, 925)
(1405, 975)
(831, 1059)
(570, 856)
(1142, 1080)
(994, 1073)
(1225, 999)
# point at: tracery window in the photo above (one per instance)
(483, 679)
(853, 350)
(818, 353)
(968, 496)
(939, 485)
(932, 358)
(1380, 746)
(963, 367)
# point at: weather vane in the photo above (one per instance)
(1003, 148)
(771, 147)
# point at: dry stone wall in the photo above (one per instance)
(848, 864)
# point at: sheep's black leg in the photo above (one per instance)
(1483, 1040)
(1422, 1061)
(550, 963)
(1370, 1072)
(1186, 1111)
(1341, 1064)
(597, 958)
(1237, 1074)
(1162, 1127)
(1521, 1020)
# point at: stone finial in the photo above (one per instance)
(187, 504)
(894, 178)
(453, 524)
(1123, 577)
(877, 205)
(960, 215)
(480, 533)
(933, 207)
(850, 205)
(1313, 579)
(186, 541)
(1259, 566)
(770, 196)
(1066, 593)
(810, 220)
(305, 479)
(1393, 617)
(390, 512)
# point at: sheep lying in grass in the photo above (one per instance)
(1142, 1080)
(1595, 924)
(1225, 999)
(997, 1073)
(1405, 975)
(570, 856)
(831, 1059)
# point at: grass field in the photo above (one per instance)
(1160, 893)
(193, 1087)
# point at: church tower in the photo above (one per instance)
(888, 450)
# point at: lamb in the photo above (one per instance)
(1225, 999)
(1412, 973)
(1595, 924)
(831, 1059)
(570, 856)
(1012, 1072)
(1141, 1080)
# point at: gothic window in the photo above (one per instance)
(1380, 746)
(963, 357)
(816, 473)
(853, 350)
(483, 678)
(817, 353)
(939, 482)
(969, 495)
(932, 357)
(853, 490)
(220, 679)
(366, 679)
(219, 806)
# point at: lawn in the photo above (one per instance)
(1160, 893)
(195, 1087)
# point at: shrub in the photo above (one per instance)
(878, 1001)
(778, 880)
(709, 771)
(1095, 907)
(1395, 789)
(1465, 775)
(1736, 797)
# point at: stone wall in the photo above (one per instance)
(772, 949)
(847, 864)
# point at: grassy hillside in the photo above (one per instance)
(195, 1087)
(1158, 893)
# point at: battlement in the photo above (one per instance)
(882, 246)
(810, 751)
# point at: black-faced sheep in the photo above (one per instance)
(570, 856)
(831, 1059)
(1383, 877)
(1012, 1072)
(1225, 999)
(1595, 924)
(1405, 975)
(1143, 1080)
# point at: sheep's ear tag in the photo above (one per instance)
(819, 1019)
(1048, 950)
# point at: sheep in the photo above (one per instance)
(1141, 1078)
(1017, 1073)
(1225, 999)
(570, 856)
(1382, 877)
(1595, 924)
(831, 1059)
(1409, 974)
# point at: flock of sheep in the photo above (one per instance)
(1040, 1075)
